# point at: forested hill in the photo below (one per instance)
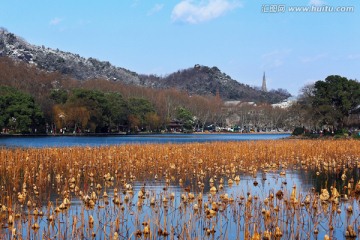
(203, 80)
(200, 80)
(63, 62)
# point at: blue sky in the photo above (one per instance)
(241, 37)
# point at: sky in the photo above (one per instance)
(243, 38)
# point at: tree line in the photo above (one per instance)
(332, 105)
(98, 105)
(32, 101)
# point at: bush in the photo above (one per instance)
(327, 133)
(312, 135)
(356, 135)
(298, 131)
(341, 131)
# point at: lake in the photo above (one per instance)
(67, 141)
(168, 187)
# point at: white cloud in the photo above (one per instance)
(55, 21)
(317, 2)
(274, 59)
(157, 8)
(191, 11)
(312, 58)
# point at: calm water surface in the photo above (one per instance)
(228, 223)
(66, 141)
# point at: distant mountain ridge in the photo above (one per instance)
(203, 80)
(200, 80)
(64, 62)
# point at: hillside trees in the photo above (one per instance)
(141, 111)
(30, 80)
(106, 109)
(96, 111)
(18, 111)
(186, 117)
(329, 102)
(203, 110)
(262, 117)
(89, 109)
(302, 112)
(153, 121)
(117, 110)
(335, 98)
(94, 103)
(203, 80)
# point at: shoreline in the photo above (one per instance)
(136, 134)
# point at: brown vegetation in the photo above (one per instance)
(165, 101)
(38, 186)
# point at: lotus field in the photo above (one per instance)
(275, 189)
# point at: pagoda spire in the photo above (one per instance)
(263, 87)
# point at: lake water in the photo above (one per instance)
(66, 141)
(229, 223)
(177, 216)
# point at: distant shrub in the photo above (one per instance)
(356, 135)
(312, 135)
(327, 133)
(298, 131)
(341, 131)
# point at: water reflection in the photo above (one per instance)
(188, 191)
(175, 211)
(328, 179)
